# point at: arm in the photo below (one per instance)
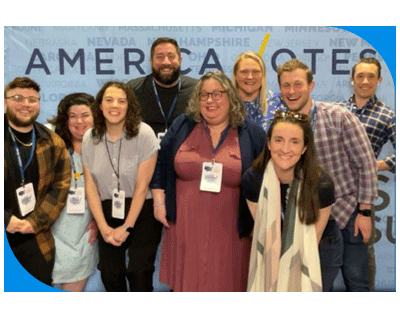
(389, 163)
(322, 221)
(94, 202)
(252, 207)
(359, 149)
(160, 212)
(144, 175)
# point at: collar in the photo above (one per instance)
(370, 103)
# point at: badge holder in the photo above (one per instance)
(118, 204)
(211, 177)
(26, 198)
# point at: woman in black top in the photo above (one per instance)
(290, 198)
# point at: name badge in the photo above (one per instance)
(118, 204)
(26, 199)
(211, 177)
(76, 201)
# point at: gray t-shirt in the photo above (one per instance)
(126, 155)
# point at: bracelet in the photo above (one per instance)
(158, 204)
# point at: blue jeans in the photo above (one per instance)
(331, 254)
(355, 259)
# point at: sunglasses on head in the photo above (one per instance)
(296, 116)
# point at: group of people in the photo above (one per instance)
(248, 190)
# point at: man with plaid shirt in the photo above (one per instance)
(344, 151)
(37, 176)
(379, 122)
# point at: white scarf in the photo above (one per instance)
(287, 262)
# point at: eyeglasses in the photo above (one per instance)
(246, 72)
(297, 116)
(20, 99)
(215, 95)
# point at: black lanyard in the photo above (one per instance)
(119, 155)
(220, 142)
(21, 167)
(171, 110)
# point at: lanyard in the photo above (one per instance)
(109, 157)
(171, 110)
(23, 168)
(220, 142)
(313, 116)
(76, 174)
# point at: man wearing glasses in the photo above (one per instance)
(344, 151)
(37, 177)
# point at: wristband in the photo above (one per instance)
(127, 228)
(364, 212)
(158, 204)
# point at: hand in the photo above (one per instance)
(120, 235)
(160, 213)
(26, 227)
(14, 224)
(107, 234)
(92, 227)
(382, 165)
(363, 224)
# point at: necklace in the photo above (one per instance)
(23, 144)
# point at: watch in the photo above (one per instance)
(364, 212)
(127, 228)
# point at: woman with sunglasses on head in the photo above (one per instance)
(197, 194)
(290, 198)
(75, 230)
(119, 155)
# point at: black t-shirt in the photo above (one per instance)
(13, 181)
(252, 181)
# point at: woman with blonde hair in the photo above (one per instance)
(250, 80)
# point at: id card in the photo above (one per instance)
(76, 201)
(118, 204)
(211, 177)
(26, 199)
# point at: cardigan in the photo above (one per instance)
(251, 142)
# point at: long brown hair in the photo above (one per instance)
(133, 113)
(307, 169)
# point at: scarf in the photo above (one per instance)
(287, 261)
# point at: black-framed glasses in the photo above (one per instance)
(21, 99)
(295, 115)
(215, 95)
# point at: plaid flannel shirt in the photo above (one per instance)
(380, 123)
(54, 181)
(345, 153)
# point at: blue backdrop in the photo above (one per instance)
(80, 59)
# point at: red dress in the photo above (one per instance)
(203, 251)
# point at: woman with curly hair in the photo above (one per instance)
(197, 194)
(75, 230)
(119, 155)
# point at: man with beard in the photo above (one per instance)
(37, 176)
(344, 151)
(164, 94)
